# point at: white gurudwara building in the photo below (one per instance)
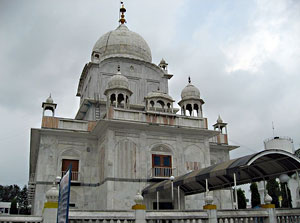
(127, 134)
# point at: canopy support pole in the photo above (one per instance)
(235, 192)
(231, 194)
(206, 186)
(172, 192)
(157, 200)
(297, 177)
(178, 191)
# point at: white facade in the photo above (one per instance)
(126, 133)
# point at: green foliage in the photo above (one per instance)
(17, 197)
(255, 197)
(13, 207)
(273, 191)
(242, 204)
(7, 193)
(297, 153)
(286, 196)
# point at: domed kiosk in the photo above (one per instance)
(118, 92)
(191, 101)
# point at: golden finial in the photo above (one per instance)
(122, 15)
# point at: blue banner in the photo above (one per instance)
(64, 197)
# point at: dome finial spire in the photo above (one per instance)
(122, 14)
(189, 79)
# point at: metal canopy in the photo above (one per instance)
(264, 165)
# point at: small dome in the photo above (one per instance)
(159, 94)
(49, 100)
(52, 194)
(124, 43)
(163, 62)
(190, 92)
(118, 81)
(219, 120)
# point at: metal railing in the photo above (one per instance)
(162, 172)
(74, 175)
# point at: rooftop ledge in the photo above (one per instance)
(153, 117)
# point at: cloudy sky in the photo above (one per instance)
(244, 56)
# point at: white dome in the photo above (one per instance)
(190, 92)
(118, 81)
(124, 43)
(158, 94)
(52, 194)
(49, 100)
(219, 120)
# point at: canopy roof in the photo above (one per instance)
(256, 167)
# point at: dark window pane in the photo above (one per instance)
(156, 161)
(167, 161)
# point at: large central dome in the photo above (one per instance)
(121, 42)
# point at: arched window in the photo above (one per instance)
(120, 98)
(112, 99)
(196, 108)
(161, 162)
(161, 103)
(152, 103)
(189, 108)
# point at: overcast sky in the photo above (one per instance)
(244, 56)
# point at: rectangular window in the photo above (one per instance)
(161, 165)
(75, 165)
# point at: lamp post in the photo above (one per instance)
(172, 189)
(284, 178)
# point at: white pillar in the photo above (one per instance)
(51, 205)
(235, 192)
(140, 209)
(157, 200)
(178, 191)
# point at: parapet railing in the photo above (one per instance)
(168, 216)
(246, 216)
(176, 216)
(20, 218)
(288, 215)
(106, 216)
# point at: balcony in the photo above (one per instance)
(74, 175)
(162, 172)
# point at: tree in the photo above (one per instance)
(13, 207)
(255, 197)
(273, 191)
(8, 193)
(242, 204)
(13, 194)
(23, 201)
(286, 196)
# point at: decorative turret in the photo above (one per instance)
(191, 101)
(49, 105)
(222, 128)
(117, 92)
(163, 65)
(159, 101)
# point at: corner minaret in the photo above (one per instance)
(221, 127)
(49, 105)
